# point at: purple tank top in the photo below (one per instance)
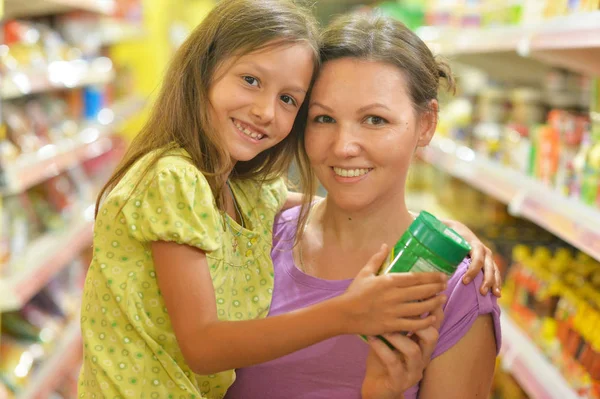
(335, 368)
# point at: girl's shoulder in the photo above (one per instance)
(172, 177)
(175, 160)
(167, 199)
(270, 194)
(171, 168)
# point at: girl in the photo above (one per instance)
(183, 233)
(373, 104)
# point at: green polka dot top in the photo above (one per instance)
(130, 350)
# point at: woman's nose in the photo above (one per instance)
(346, 145)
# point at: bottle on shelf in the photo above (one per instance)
(590, 189)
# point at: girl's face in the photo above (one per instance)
(362, 132)
(255, 98)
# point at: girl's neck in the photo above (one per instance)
(229, 201)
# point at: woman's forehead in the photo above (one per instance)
(362, 76)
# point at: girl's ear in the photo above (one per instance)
(428, 123)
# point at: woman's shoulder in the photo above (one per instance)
(285, 226)
(464, 305)
(468, 295)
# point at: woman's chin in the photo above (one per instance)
(350, 203)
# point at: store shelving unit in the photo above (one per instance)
(524, 52)
(20, 8)
(58, 75)
(65, 357)
(30, 271)
(524, 55)
(535, 373)
(567, 218)
(520, 356)
(113, 31)
(91, 141)
(52, 252)
(45, 257)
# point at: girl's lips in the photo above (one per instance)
(243, 135)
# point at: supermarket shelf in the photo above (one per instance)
(45, 257)
(64, 359)
(124, 109)
(92, 141)
(534, 372)
(426, 201)
(27, 8)
(103, 31)
(566, 218)
(571, 42)
(58, 75)
(115, 31)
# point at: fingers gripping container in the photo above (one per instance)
(427, 245)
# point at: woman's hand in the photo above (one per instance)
(391, 372)
(394, 302)
(481, 258)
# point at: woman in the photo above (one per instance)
(372, 105)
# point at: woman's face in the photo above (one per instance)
(362, 132)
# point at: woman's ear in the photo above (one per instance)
(428, 123)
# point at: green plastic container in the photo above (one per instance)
(427, 246)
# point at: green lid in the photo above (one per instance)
(439, 238)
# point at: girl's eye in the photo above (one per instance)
(289, 100)
(375, 120)
(251, 80)
(324, 119)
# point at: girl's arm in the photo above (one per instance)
(466, 369)
(481, 255)
(372, 305)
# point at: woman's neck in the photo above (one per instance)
(374, 224)
(338, 243)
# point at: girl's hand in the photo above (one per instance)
(481, 258)
(375, 305)
(391, 372)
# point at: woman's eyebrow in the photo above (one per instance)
(374, 105)
(317, 104)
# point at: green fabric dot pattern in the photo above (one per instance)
(130, 349)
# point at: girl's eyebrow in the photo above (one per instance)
(261, 69)
(296, 89)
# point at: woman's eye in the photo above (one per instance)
(375, 120)
(251, 80)
(289, 100)
(324, 119)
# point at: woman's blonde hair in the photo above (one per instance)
(180, 116)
